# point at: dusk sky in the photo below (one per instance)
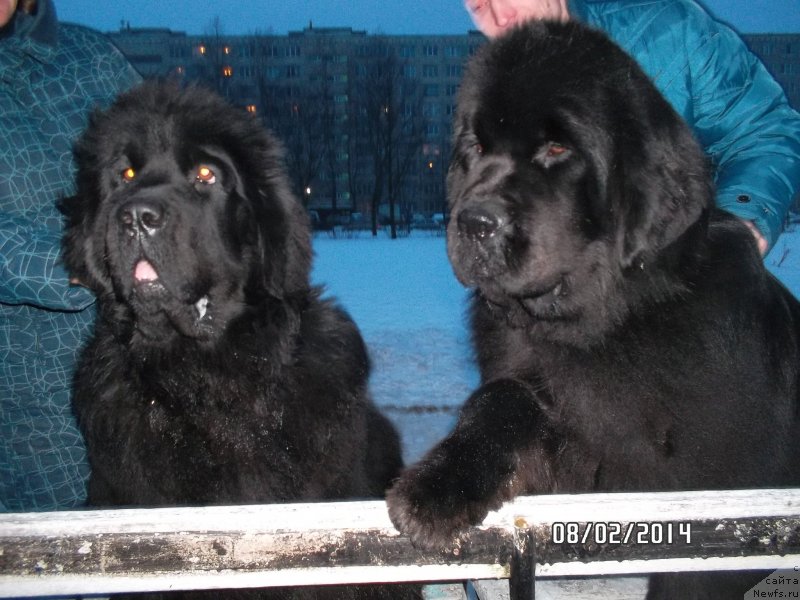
(374, 16)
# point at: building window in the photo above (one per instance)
(430, 50)
(430, 71)
(227, 71)
(430, 110)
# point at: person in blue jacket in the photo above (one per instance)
(51, 77)
(738, 112)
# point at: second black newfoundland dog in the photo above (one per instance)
(628, 335)
(216, 374)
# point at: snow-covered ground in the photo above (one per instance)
(411, 310)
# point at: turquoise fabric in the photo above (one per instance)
(737, 110)
(51, 77)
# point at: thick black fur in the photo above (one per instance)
(216, 374)
(628, 335)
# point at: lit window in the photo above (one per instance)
(202, 49)
(251, 108)
(227, 71)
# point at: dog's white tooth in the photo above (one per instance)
(202, 307)
(557, 291)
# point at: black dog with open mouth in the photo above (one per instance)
(216, 374)
(628, 335)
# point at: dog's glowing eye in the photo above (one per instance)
(129, 174)
(206, 175)
(555, 150)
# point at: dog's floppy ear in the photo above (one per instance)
(284, 231)
(77, 244)
(288, 251)
(660, 177)
(72, 253)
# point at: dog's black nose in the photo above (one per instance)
(142, 217)
(478, 222)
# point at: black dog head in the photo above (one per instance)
(570, 169)
(183, 218)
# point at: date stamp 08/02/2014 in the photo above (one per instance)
(612, 533)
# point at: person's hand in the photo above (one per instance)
(761, 241)
(7, 8)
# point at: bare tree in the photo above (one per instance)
(216, 70)
(322, 83)
(389, 124)
(294, 113)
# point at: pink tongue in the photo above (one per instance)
(144, 271)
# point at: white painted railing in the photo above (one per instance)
(110, 551)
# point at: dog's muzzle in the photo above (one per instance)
(482, 221)
(141, 218)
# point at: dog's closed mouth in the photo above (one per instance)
(547, 291)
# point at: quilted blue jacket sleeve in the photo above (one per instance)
(738, 111)
(744, 121)
(31, 269)
(51, 78)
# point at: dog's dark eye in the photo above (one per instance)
(551, 153)
(206, 175)
(478, 148)
(555, 150)
(129, 174)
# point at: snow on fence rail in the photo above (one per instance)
(108, 551)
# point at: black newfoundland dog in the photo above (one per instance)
(627, 333)
(216, 374)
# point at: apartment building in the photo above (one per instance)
(326, 91)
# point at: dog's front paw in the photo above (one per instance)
(439, 497)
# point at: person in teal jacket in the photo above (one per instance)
(738, 112)
(51, 77)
